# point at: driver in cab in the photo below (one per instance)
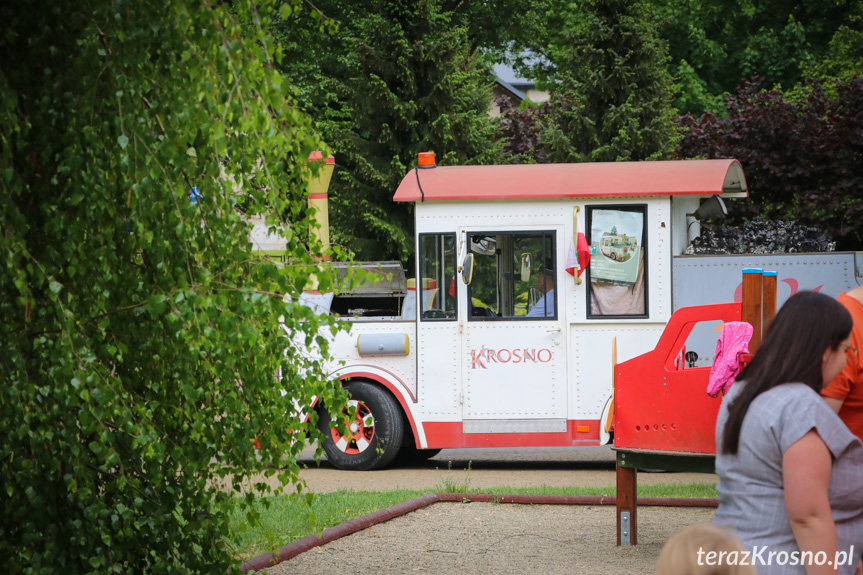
(544, 307)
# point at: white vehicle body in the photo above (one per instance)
(465, 363)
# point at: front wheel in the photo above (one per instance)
(375, 429)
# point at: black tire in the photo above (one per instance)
(377, 426)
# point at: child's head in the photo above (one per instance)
(703, 550)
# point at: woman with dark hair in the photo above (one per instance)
(790, 472)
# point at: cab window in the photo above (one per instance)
(617, 274)
(436, 285)
(514, 276)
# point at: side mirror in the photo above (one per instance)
(525, 267)
(466, 269)
(691, 357)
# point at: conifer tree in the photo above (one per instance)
(396, 78)
(410, 83)
(613, 99)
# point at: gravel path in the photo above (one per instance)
(485, 538)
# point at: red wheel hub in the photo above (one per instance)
(361, 429)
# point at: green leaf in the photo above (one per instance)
(132, 389)
(156, 300)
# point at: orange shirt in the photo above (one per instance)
(848, 385)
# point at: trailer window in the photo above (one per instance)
(617, 274)
(436, 285)
(514, 276)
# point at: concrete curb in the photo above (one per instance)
(291, 550)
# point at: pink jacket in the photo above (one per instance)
(733, 340)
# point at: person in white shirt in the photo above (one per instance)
(545, 305)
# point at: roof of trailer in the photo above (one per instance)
(588, 180)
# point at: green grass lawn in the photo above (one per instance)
(283, 520)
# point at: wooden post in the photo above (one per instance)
(627, 504)
(768, 300)
(752, 306)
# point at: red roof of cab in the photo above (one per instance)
(589, 180)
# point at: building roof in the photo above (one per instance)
(511, 90)
(506, 75)
(587, 180)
